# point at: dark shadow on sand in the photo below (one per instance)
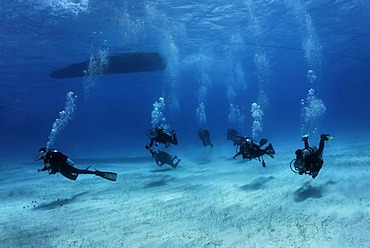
(307, 191)
(158, 183)
(154, 184)
(202, 161)
(58, 203)
(122, 160)
(257, 184)
(162, 170)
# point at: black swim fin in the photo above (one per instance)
(107, 175)
(269, 150)
(263, 141)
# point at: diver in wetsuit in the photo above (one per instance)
(55, 161)
(249, 149)
(162, 158)
(234, 135)
(205, 137)
(160, 135)
(309, 160)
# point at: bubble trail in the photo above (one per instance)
(96, 67)
(201, 114)
(158, 119)
(313, 110)
(262, 65)
(64, 117)
(257, 115)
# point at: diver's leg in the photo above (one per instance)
(157, 162)
(69, 171)
(177, 163)
(321, 147)
(174, 139)
(71, 176)
(78, 171)
(305, 141)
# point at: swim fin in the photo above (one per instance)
(107, 175)
(327, 137)
(263, 141)
(269, 150)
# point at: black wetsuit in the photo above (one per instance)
(163, 137)
(205, 137)
(312, 158)
(162, 158)
(59, 163)
(250, 150)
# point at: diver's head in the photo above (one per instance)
(231, 134)
(299, 152)
(41, 155)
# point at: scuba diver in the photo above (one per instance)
(55, 161)
(234, 135)
(162, 158)
(309, 159)
(205, 137)
(250, 149)
(160, 135)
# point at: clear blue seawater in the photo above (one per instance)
(274, 69)
(217, 53)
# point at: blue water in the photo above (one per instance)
(242, 46)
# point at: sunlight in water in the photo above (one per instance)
(72, 6)
(310, 42)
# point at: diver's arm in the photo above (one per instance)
(150, 144)
(237, 154)
(46, 167)
(43, 169)
(151, 151)
(174, 138)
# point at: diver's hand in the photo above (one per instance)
(147, 147)
(39, 170)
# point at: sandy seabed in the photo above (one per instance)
(210, 200)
